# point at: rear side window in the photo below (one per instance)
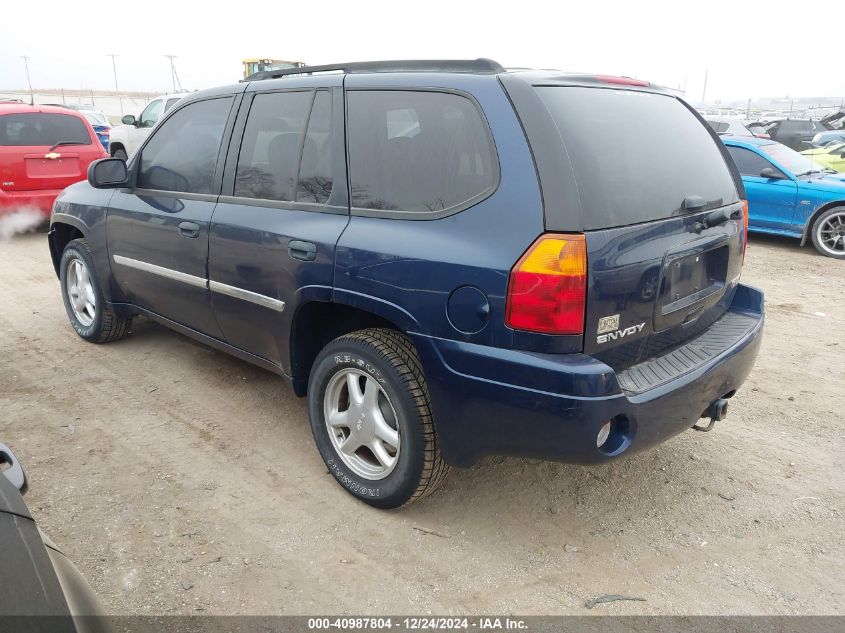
(749, 163)
(269, 156)
(418, 152)
(182, 153)
(315, 171)
(36, 129)
(636, 155)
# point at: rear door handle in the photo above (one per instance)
(189, 229)
(306, 251)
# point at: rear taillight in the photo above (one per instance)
(547, 289)
(744, 228)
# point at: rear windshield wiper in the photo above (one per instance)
(65, 143)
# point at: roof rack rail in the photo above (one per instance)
(480, 65)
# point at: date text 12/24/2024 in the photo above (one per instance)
(418, 623)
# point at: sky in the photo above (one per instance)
(745, 52)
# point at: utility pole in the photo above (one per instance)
(25, 59)
(116, 89)
(173, 75)
(704, 90)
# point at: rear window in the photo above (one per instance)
(36, 129)
(636, 155)
(418, 152)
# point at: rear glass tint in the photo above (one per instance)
(636, 155)
(418, 152)
(36, 129)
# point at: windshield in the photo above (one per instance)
(797, 163)
(95, 118)
(636, 155)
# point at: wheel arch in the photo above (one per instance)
(812, 219)
(316, 323)
(62, 232)
(116, 145)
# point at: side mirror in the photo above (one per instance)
(771, 173)
(12, 469)
(128, 119)
(108, 173)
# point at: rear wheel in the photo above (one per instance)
(90, 316)
(828, 233)
(371, 418)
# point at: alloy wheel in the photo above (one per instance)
(362, 424)
(80, 292)
(831, 234)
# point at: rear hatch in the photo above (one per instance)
(662, 216)
(28, 159)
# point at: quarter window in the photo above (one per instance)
(417, 152)
(269, 156)
(182, 154)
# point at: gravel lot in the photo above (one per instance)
(183, 481)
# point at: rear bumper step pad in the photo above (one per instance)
(723, 334)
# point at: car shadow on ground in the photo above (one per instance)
(599, 499)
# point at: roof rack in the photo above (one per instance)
(480, 65)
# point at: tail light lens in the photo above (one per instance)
(744, 228)
(547, 289)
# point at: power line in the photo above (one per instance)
(173, 74)
(116, 89)
(25, 59)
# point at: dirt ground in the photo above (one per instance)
(181, 480)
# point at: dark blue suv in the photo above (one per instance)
(449, 259)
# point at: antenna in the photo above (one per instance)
(116, 89)
(25, 59)
(173, 75)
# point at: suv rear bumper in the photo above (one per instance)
(41, 200)
(497, 401)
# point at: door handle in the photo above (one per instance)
(306, 251)
(189, 229)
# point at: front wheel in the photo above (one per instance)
(121, 154)
(371, 418)
(828, 233)
(90, 316)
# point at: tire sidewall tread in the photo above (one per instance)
(389, 358)
(107, 325)
(815, 229)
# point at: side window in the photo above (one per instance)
(749, 163)
(269, 156)
(416, 151)
(151, 114)
(182, 153)
(170, 103)
(315, 171)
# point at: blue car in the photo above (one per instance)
(790, 194)
(448, 259)
(101, 125)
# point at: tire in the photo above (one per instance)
(121, 154)
(89, 314)
(830, 226)
(386, 362)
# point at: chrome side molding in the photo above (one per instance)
(246, 295)
(199, 282)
